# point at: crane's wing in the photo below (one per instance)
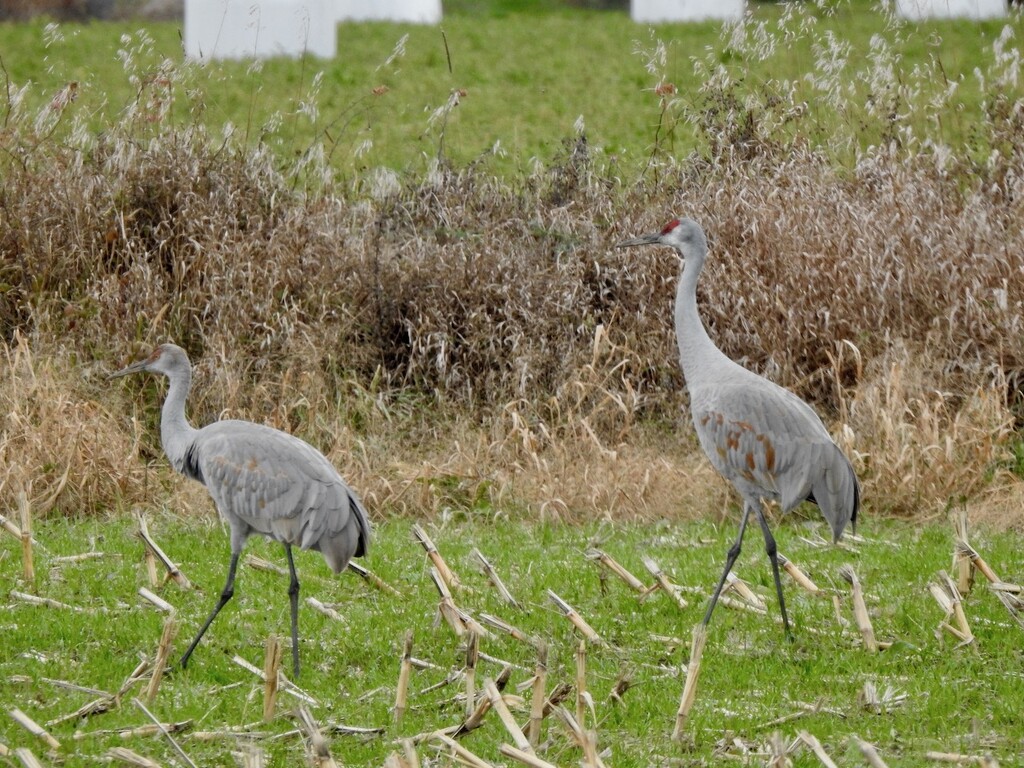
(770, 444)
(280, 486)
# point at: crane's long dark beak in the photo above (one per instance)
(650, 239)
(133, 368)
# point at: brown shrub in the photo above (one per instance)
(504, 312)
(59, 445)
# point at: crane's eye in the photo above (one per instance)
(670, 226)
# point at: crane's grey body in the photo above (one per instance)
(762, 438)
(262, 481)
(268, 482)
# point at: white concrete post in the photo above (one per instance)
(917, 10)
(240, 29)
(412, 11)
(654, 11)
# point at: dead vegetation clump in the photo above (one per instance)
(340, 319)
(59, 445)
(478, 340)
(920, 449)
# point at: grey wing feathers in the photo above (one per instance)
(282, 487)
(770, 444)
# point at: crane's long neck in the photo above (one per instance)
(697, 353)
(176, 434)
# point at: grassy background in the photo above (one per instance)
(524, 90)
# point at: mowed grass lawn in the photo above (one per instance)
(932, 693)
(529, 81)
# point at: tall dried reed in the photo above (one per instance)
(455, 340)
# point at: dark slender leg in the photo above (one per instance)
(734, 552)
(773, 555)
(225, 595)
(293, 596)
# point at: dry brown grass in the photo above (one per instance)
(460, 342)
(59, 445)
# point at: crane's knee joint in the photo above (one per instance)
(770, 548)
(226, 595)
(734, 551)
(293, 588)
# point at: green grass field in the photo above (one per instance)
(528, 80)
(935, 695)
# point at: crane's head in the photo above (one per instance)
(685, 235)
(165, 359)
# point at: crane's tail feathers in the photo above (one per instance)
(837, 493)
(362, 518)
(856, 505)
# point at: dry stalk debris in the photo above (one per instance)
(28, 758)
(581, 683)
(890, 698)
(130, 757)
(271, 676)
(860, 609)
(459, 751)
(450, 579)
(947, 595)
(818, 750)
(871, 756)
(503, 626)
(163, 652)
(173, 571)
(608, 562)
(735, 584)
(45, 601)
(495, 580)
(373, 579)
(524, 757)
(404, 671)
(540, 676)
(577, 621)
(961, 560)
(34, 728)
(472, 654)
(499, 706)
(986, 761)
(284, 683)
(690, 686)
(161, 604)
(316, 744)
(326, 610)
(663, 582)
(798, 575)
(166, 733)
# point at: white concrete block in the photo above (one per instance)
(654, 11)
(950, 9)
(411, 11)
(240, 29)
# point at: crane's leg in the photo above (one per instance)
(293, 597)
(225, 595)
(773, 555)
(734, 552)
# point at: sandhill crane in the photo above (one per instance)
(762, 438)
(263, 481)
